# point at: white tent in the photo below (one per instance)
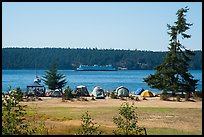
(122, 92)
(55, 93)
(98, 92)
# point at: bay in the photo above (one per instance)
(108, 80)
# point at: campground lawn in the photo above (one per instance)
(157, 120)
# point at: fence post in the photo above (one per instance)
(145, 131)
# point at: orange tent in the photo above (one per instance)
(147, 93)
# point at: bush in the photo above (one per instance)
(13, 121)
(68, 93)
(127, 121)
(17, 94)
(12, 115)
(113, 95)
(87, 126)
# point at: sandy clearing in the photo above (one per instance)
(174, 119)
(150, 102)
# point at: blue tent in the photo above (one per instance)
(139, 91)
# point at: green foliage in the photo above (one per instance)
(53, 79)
(127, 121)
(172, 74)
(113, 95)
(68, 93)
(67, 58)
(199, 94)
(19, 94)
(87, 126)
(13, 116)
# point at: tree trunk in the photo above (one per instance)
(187, 96)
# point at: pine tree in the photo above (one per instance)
(53, 79)
(172, 74)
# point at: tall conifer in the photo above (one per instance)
(172, 74)
(53, 79)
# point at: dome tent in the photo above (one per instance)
(139, 91)
(98, 92)
(81, 90)
(122, 91)
(55, 93)
(147, 93)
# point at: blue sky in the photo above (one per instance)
(105, 25)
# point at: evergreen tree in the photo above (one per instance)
(53, 79)
(172, 74)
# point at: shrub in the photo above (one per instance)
(13, 121)
(87, 126)
(68, 93)
(127, 121)
(63, 97)
(113, 95)
(12, 115)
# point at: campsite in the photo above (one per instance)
(158, 116)
(61, 110)
(102, 68)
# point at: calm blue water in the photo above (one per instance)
(108, 80)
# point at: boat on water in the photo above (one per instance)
(96, 68)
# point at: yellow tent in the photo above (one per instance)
(147, 93)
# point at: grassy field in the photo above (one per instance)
(157, 121)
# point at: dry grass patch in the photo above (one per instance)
(65, 116)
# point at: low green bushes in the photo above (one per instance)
(13, 117)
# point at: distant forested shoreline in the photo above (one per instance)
(68, 58)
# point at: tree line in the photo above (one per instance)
(70, 58)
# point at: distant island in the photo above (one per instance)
(68, 58)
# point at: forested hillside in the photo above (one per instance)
(67, 58)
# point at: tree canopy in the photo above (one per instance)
(67, 58)
(53, 79)
(172, 74)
